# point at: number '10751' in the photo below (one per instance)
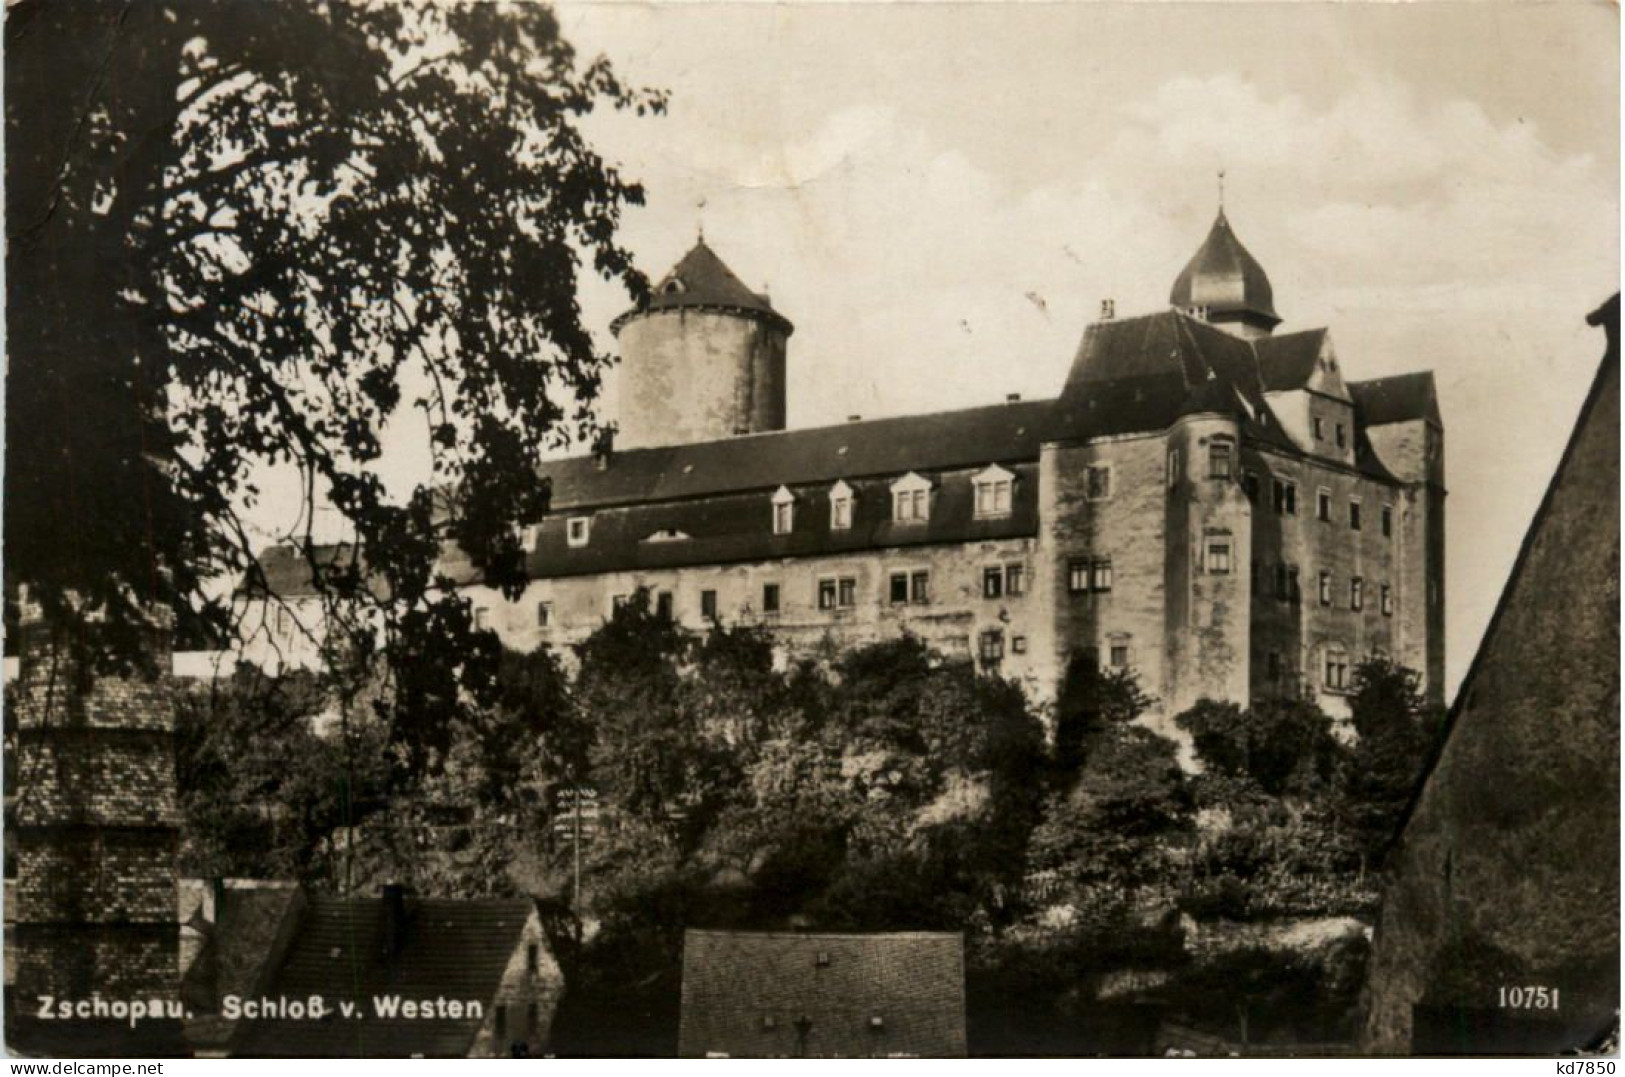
(1528, 998)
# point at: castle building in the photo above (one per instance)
(1207, 501)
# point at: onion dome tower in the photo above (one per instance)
(702, 359)
(1225, 285)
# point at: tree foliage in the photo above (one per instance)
(250, 235)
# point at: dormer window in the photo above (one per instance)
(578, 530)
(993, 492)
(840, 507)
(911, 499)
(672, 287)
(784, 511)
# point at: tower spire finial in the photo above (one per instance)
(699, 218)
(1221, 190)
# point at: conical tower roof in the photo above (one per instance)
(1226, 281)
(701, 280)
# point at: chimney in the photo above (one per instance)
(1012, 398)
(1108, 309)
(854, 418)
(603, 449)
(394, 919)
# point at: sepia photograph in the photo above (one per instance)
(801, 530)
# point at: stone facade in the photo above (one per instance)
(1499, 932)
(1173, 511)
(94, 830)
(695, 375)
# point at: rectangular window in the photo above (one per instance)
(1356, 594)
(919, 588)
(993, 582)
(911, 506)
(899, 588)
(1077, 577)
(783, 517)
(1325, 588)
(770, 598)
(1323, 504)
(1320, 428)
(1220, 460)
(482, 618)
(1337, 670)
(1387, 601)
(1249, 483)
(544, 614)
(840, 514)
(1119, 656)
(1218, 558)
(848, 592)
(1100, 575)
(1099, 482)
(993, 498)
(1173, 466)
(1387, 521)
(1018, 644)
(1354, 514)
(1342, 438)
(533, 957)
(992, 647)
(1015, 580)
(663, 605)
(578, 530)
(1286, 498)
(1293, 591)
(826, 594)
(708, 604)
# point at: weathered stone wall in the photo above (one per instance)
(951, 621)
(1507, 871)
(1414, 451)
(1131, 528)
(94, 832)
(1209, 611)
(531, 997)
(1300, 630)
(697, 375)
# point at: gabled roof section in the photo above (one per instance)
(938, 441)
(1143, 374)
(853, 996)
(451, 949)
(1401, 398)
(700, 279)
(1288, 361)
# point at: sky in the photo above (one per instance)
(940, 195)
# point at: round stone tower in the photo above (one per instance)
(1225, 285)
(702, 359)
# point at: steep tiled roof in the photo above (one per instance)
(1401, 398)
(1142, 374)
(1224, 278)
(1287, 361)
(450, 949)
(744, 994)
(892, 446)
(702, 280)
(288, 571)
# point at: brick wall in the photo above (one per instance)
(94, 831)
